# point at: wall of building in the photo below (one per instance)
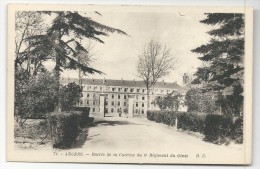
(117, 98)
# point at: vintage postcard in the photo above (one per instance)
(129, 84)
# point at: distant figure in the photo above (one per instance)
(120, 112)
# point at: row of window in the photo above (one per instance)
(118, 96)
(125, 104)
(121, 89)
(137, 111)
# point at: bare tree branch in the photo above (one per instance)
(154, 63)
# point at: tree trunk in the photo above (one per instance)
(57, 78)
(148, 98)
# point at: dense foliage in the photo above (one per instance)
(191, 121)
(168, 102)
(37, 96)
(224, 55)
(217, 129)
(59, 42)
(165, 117)
(199, 101)
(65, 127)
(70, 95)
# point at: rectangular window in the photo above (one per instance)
(124, 103)
(136, 104)
(112, 103)
(142, 104)
(143, 90)
(118, 103)
(94, 109)
(119, 89)
(113, 96)
(87, 94)
(137, 90)
(126, 89)
(87, 102)
(112, 110)
(118, 96)
(124, 96)
(132, 90)
(142, 97)
(113, 89)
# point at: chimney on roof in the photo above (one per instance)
(186, 79)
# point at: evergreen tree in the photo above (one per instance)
(61, 42)
(224, 55)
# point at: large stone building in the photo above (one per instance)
(126, 96)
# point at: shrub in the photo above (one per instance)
(70, 95)
(85, 119)
(198, 100)
(36, 96)
(191, 121)
(169, 102)
(237, 130)
(165, 117)
(218, 128)
(65, 127)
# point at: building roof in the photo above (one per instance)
(126, 83)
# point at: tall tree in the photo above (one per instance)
(27, 24)
(224, 54)
(61, 43)
(154, 62)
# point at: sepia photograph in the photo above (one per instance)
(129, 84)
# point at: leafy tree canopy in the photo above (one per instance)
(62, 40)
(224, 53)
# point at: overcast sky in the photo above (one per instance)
(118, 56)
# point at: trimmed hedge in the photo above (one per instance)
(191, 121)
(165, 117)
(237, 130)
(65, 128)
(216, 128)
(85, 119)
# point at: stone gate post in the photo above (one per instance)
(131, 105)
(102, 103)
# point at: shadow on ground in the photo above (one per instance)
(115, 123)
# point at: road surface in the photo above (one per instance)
(121, 134)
